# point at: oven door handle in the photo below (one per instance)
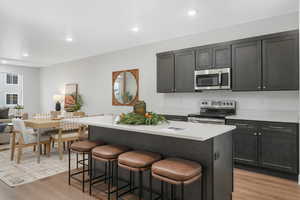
(220, 79)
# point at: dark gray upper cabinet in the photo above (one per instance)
(246, 66)
(184, 71)
(268, 62)
(222, 56)
(281, 63)
(165, 73)
(204, 58)
(279, 148)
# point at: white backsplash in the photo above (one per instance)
(246, 101)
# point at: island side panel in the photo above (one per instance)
(223, 167)
(198, 151)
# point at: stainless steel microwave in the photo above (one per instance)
(213, 79)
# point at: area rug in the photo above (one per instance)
(29, 170)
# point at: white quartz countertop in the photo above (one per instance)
(269, 116)
(185, 130)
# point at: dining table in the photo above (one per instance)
(39, 125)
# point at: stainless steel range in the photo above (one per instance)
(213, 112)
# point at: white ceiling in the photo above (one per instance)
(39, 27)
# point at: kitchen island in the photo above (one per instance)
(208, 144)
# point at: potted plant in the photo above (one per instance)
(18, 109)
(77, 105)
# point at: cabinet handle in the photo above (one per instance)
(255, 134)
(259, 134)
(264, 87)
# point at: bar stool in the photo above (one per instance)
(81, 147)
(176, 171)
(137, 161)
(109, 155)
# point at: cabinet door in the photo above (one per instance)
(204, 58)
(184, 71)
(281, 63)
(222, 56)
(246, 66)
(165, 73)
(245, 144)
(278, 148)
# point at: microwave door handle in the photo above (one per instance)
(220, 79)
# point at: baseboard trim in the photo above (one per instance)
(293, 177)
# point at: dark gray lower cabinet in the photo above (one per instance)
(245, 144)
(184, 71)
(278, 147)
(267, 145)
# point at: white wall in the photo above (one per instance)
(94, 74)
(31, 86)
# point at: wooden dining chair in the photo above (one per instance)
(26, 137)
(69, 132)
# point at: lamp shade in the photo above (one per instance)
(57, 97)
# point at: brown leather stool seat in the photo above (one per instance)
(108, 152)
(138, 160)
(85, 146)
(176, 171)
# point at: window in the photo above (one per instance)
(12, 79)
(11, 89)
(11, 99)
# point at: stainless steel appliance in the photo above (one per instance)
(213, 112)
(213, 79)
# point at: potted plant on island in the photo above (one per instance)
(140, 116)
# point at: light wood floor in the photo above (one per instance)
(248, 186)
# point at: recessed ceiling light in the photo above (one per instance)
(25, 54)
(135, 29)
(3, 61)
(192, 13)
(69, 39)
